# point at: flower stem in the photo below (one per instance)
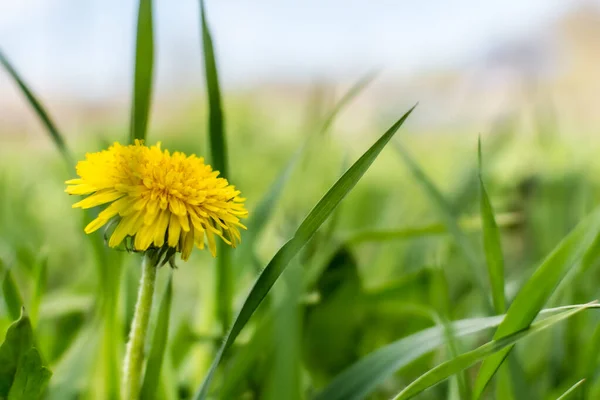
(134, 355)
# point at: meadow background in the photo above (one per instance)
(306, 90)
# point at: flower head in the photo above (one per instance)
(158, 199)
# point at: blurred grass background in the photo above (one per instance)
(531, 95)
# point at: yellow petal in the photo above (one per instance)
(174, 230)
(99, 198)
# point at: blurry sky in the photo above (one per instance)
(85, 47)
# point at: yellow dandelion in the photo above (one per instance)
(159, 199)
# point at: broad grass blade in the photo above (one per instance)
(39, 109)
(466, 360)
(536, 291)
(218, 153)
(491, 244)
(159, 343)
(307, 229)
(143, 72)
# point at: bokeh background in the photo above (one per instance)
(520, 74)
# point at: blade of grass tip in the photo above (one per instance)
(218, 154)
(350, 95)
(491, 243)
(39, 109)
(538, 289)
(571, 390)
(159, 343)
(143, 72)
(305, 231)
(12, 296)
(466, 360)
(447, 214)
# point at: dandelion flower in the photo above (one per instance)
(158, 200)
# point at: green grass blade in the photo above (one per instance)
(218, 155)
(143, 72)
(307, 229)
(39, 109)
(491, 244)
(536, 291)
(159, 343)
(216, 128)
(361, 378)
(466, 360)
(447, 214)
(571, 390)
(12, 296)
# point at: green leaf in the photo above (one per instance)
(31, 378)
(159, 343)
(449, 368)
(447, 214)
(491, 244)
(571, 390)
(307, 229)
(12, 296)
(144, 64)
(536, 291)
(218, 154)
(19, 340)
(56, 136)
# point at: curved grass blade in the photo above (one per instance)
(159, 343)
(536, 291)
(466, 360)
(447, 214)
(307, 229)
(51, 128)
(491, 244)
(362, 377)
(571, 390)
(143, 71)
(218, 153)
(12, 296)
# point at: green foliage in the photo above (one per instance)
(378, 304)
(143, 72)
(22, 373)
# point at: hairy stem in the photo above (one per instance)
(134, 355)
